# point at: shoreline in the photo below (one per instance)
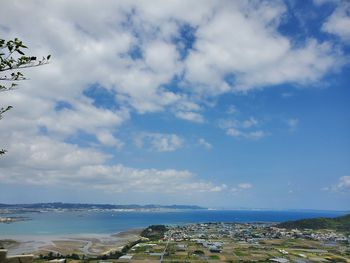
(87, 243)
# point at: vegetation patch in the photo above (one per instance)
(214, 257)
(154, 232)
(341, 223)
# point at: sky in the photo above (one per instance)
(223, 104)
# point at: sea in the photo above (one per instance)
(109, 222)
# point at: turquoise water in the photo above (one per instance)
(54, 223)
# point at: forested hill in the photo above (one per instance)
(341, 223)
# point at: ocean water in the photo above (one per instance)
(108, 222)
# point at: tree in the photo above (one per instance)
(12, 60)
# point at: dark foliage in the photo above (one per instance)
(154, 232)
(341, 223)
(112, 255)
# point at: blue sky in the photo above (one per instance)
(239, 104)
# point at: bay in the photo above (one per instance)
(107, 222)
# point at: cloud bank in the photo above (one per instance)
(145, 57)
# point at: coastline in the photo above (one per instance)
(69, 232)
(88, 243)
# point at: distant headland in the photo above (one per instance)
(38, 207)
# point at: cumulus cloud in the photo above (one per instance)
(44, 154)
(233, 132)
(343, 185)
(114, 179)
(40, 160)
(339, 22)
(118, 178)
(242, 128)
(83, 116)
(188, 110)
(255, 54)
(190, 116)
(133, 45)
(106, 138)
(245, 186)
(256, 135)
(159, 142)
(241, 187)
(135, 50)
(249, 123)
(244, 124)
(205, 144)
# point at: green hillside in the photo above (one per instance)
(154, 232)
(341, 223)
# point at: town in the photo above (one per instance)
(220, 242)
(248, 242)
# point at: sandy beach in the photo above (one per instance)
(88, 244)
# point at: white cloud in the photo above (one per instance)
(93, 45)
(255, 54)
(243, 124)
(228, 123)
(44, 162)
(83, 117)
(241, 187)
(255, 135)
(339, 22)
(242, 129)
(40, 153)
(118, 178)
(190, 116)
(188, 110)
(108, 139)
(205, 144)
(39, 160)
(249, 123)
(161, 56)
(233, 132)
(159, 142)
(245, 185)
(218, 188)
(343, 185)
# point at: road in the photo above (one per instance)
(166, 247)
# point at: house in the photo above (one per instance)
(214, 249)
(181, 247)
(126, 257)
(279, 260)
